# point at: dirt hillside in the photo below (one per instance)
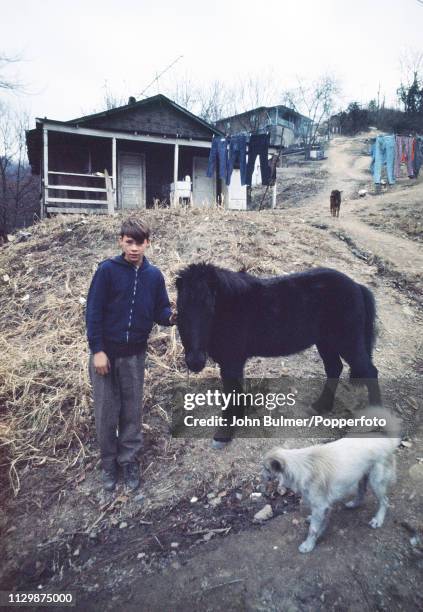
(160, 550)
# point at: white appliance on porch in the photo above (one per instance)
(181, 191)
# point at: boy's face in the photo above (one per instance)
(133, 251)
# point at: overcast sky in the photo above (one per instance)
(70, 49)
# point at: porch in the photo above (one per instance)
(94, 171)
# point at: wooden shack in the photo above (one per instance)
(135, 156)
(285, 125)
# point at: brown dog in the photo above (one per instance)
(335, 202)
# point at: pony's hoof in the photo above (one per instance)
(322, 407)
(220, 444)
(222, 437)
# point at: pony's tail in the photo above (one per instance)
(369, 325)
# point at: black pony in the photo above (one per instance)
(232, 316)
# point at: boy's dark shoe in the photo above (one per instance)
(109, 477)
(131, 475)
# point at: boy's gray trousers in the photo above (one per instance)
(118, 400)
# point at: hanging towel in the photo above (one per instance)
(404, 154)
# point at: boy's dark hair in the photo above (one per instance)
(136, 229)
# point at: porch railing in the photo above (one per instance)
(95, 198)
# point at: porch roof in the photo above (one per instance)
(88, 125)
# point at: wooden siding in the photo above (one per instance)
(155, 118)
(273, 119)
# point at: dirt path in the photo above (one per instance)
(389, 257)
(260, 568)
(347, 171)
(352, 569)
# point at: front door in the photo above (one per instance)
(132, 180)
(203, 187)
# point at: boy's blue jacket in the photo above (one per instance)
(123, 303)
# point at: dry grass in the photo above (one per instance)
(46, 417)
(44, 388)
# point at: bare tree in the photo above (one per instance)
(256, 90)
(112, 99)
(19, 190)
(315, 100)
(10, 83)
(410, 92)
(184, 92)
(410, 64)
(217, 99)
(210, 102)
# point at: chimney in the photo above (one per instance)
(131, 100)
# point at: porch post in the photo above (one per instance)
(109, 193)
(114, 172)
(175, 175)
(45, 173)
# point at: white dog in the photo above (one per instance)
(326, 473)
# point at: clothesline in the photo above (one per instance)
(248, 134)
(390, 151)
(225, 152)
(408, 134)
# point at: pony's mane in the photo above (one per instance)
(224, 281)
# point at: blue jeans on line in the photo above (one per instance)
(237, 152)
(384, 153)
(218, 151)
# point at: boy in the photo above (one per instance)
(127, 295)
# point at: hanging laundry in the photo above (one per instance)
(237, 154)
(258, 145)
(404, 154)
(218, 153)
(418, 156)
(384, 154)
(273, 162)
(372, 154)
